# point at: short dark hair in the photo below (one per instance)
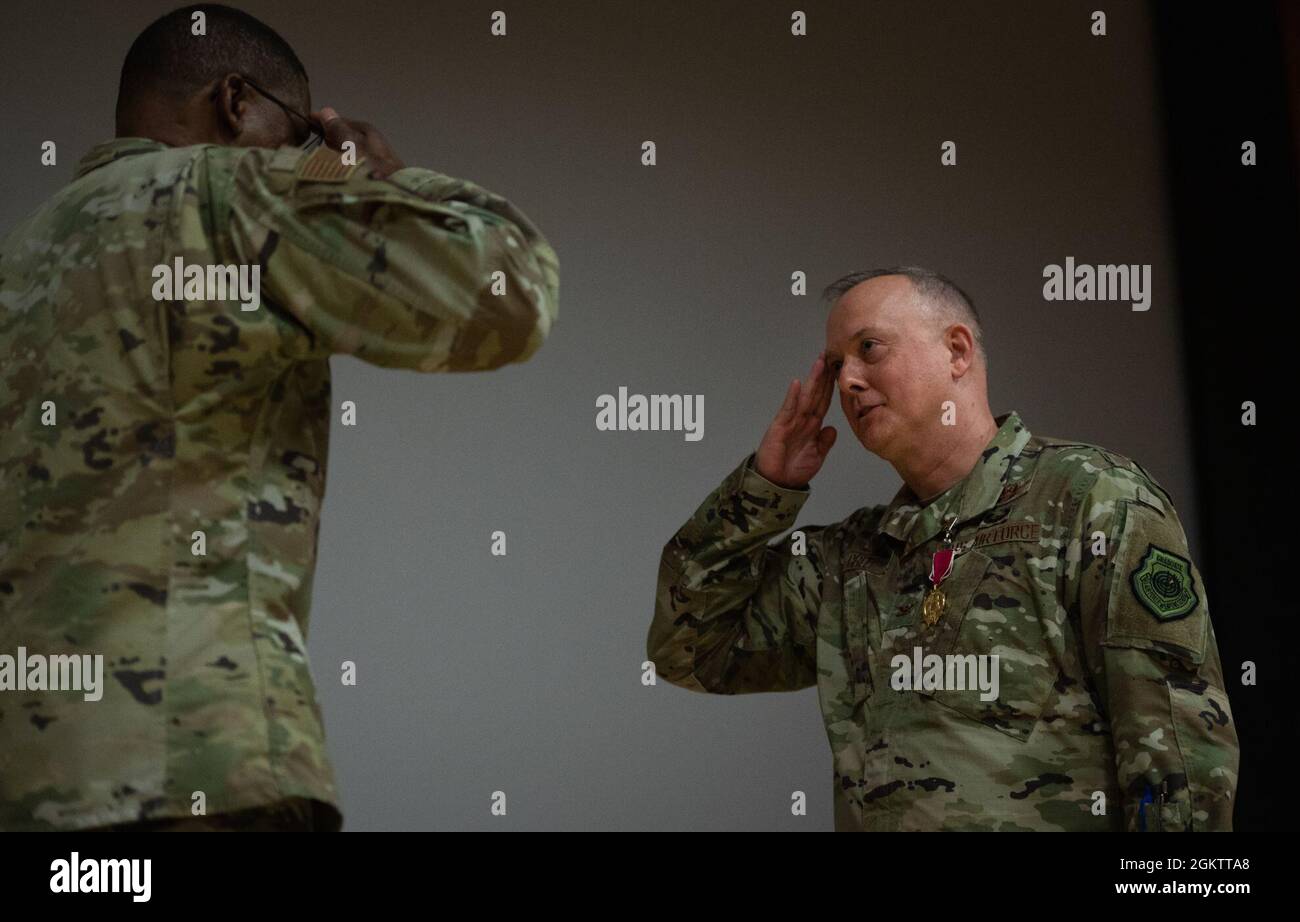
(938, 290)
(168, 59)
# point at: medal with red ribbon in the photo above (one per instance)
(940, 565)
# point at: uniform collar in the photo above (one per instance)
(108, 151)
(910, 521)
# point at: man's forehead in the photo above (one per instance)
(874, 307)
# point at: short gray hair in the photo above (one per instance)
(935, 289)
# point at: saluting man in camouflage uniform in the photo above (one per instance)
(163, 461)
(1063, 560)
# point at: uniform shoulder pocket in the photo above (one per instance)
(1156, 599)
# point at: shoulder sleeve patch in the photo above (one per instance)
(1156, 599)
(1163, 582)
(325, 164)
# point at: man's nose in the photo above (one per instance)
(851, 380)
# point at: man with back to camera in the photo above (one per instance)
(163, 465)
(1056, 569)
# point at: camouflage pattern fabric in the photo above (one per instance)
(296, 814)
(185, 416)
(1110, 679)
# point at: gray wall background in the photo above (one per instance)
(522, 674)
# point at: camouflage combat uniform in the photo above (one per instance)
(294, 814)
(1110, 678)
(179, 417)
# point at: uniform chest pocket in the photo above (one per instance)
(997, 668)
(861, 624)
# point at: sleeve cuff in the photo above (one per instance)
(753, 481)
(767, 505)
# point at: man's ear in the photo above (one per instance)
(961, 348)
(230, 104)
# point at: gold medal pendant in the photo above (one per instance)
(940, 566)
(932, 607)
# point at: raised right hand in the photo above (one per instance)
(372, 145)
(796, 444)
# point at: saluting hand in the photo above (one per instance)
(796, 444)
(370, 143)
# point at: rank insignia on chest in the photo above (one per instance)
(855, 561)
(1011, 491)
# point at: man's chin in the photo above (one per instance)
(873, 439)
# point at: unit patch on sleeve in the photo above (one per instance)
(1163, 583)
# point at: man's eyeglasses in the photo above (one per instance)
(314, 138)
